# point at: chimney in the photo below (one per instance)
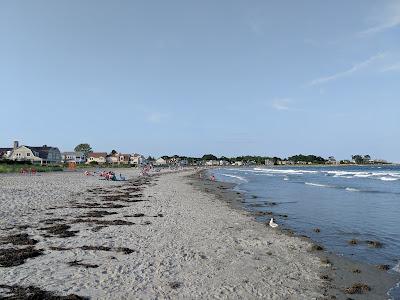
(16, 144)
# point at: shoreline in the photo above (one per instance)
(338, 272)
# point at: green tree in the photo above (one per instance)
(113, 152)
(85, 148)
(358, 159)
(209, 157)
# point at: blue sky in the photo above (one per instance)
(194, 77)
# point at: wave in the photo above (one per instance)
(316, 184)
(384, 178)
(396, 268)
(286, 171)
(352, 189)
(236, 177)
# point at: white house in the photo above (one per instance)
(73, 156)
(42, 155)
(98, 157)
(212, 163)
(137, 160)
(223, 163)
(160, 162)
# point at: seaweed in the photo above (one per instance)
(32, 293)
(12, 257)
(357, 288)
(60, 230)
(18, 239)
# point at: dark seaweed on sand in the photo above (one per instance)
(60, 230)
(18, 239)
(16, 292)
(12, 257)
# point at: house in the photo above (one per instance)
(269, 162)
(97, 157)
(238, 163)
(112, 159)
(173, 160)
(137, 160)
(124, 159)
(160, 162)
(183, 162)
(224, 163)
(73, 156)
(42, 155)
(212, 163)
(5, 153)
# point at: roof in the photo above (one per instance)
(79, 153)
(4, 151)
(42, 151)
(97, 154)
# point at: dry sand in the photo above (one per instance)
(184, 243)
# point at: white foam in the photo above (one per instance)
(352, 189)
(388, 178)
(236, 177)
(396, 268)
(316, 184)
(286, 179)
(286, 171)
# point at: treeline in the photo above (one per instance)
(307, 159)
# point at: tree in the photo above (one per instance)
(113, 152)
(209, 157)
(85, 148)
(366, 158)
(358, 159)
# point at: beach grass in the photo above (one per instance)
(15, 168)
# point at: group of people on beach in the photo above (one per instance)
(107, 175)
(28, 171)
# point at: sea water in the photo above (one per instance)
(343, 202)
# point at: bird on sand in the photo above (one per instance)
(272, 223)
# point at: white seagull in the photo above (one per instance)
(272, 223)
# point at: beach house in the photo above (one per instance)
(160, 162)
(73, 156)
(137, 160)
(43, 155)
(118, 158)
(124, 159)
(97, 157)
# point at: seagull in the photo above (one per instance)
(272, 223)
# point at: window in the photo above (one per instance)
(28, 154)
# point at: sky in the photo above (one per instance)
(228, 77)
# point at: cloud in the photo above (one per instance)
(156, 117)
(389, 19)
(395, 67)
(281, 103)
(348, 72)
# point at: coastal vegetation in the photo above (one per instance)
(9, 166)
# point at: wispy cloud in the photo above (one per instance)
(281, 103)
(389, 19)
(395, 67)
(156, 117)
(348, 72)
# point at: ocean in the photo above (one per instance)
(360, 203)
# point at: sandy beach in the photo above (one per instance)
(145, 238)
